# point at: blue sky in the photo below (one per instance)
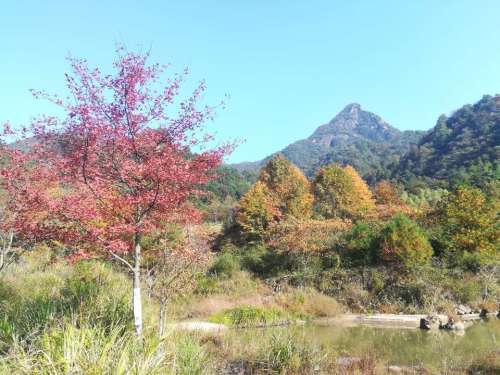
(288, 66)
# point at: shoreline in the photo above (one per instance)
(401, 321)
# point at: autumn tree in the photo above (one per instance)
(303, 240)
(389, 203)
(256, 211)
(28, 201)
(341, 192)
(466, 224)
(288, 186)
(124, 157)
(386, 193)
(281, 192)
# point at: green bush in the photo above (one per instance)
(360, 243)
(250, 316)
(206, 285)
(289, 353)
(225, 265)
(97, 293)
(404, 244)
(263, 261)
(377, 281)
(467, 291)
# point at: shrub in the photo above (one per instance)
(225, 265)
(404, 244)
(360, 244)
(309, 303)
(377, 281)
(245, 316)
(286, 353)
(263, 261)
(467, 291)
(306, 236)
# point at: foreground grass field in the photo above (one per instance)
(74, 319)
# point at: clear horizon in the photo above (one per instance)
(287, 66)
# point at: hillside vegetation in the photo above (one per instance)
(461, 148)
(112, 230)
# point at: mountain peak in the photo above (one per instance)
(353, 123)
(352, 108)
(354, 136)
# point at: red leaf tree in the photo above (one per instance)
(127, 157)
(26, 200)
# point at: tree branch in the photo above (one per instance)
(122, 260)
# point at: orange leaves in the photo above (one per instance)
(386, 193)
(389, 203)
(306, 236)
(256, 211)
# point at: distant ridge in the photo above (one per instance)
(461, 148)
(354, 136)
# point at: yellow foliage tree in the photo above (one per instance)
(469, 223)
(281, 192)
(341, 192)
(256, 211)
(290, 189)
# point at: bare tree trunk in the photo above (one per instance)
(162, 317)
(5, 249)
(137, 286)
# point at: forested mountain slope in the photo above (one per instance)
(461, 148)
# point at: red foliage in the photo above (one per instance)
(118, 165)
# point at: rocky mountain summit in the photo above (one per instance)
(354, 136)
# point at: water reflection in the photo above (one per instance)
(409, 347)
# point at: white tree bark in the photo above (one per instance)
(5, 249)
(162, 317)
(136, 298)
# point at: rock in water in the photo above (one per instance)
(453, 325)
(463, 310)
(430, 322)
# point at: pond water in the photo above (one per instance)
(437, 350)
(413, 347)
